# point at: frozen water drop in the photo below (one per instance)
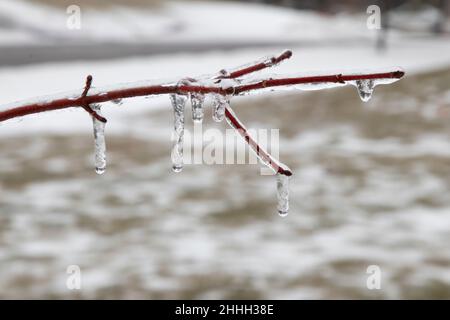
(100, 170)
(219, 104)
(365, 88)
(100, 144)
(283, 214)
(178, 104)
(283, 194)
(177, 168)
(197, 100)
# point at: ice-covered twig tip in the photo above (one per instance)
(221, 87)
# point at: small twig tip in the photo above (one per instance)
(285, 172)
(399, 74)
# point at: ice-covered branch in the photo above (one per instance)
(56, 102)
(255, 66)
(221, 88)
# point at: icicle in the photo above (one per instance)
(365, 88)
(197, 100)
(283, 194)
(219, 104)
(100, 145)
(178, 103)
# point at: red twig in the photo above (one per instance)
(256, 67)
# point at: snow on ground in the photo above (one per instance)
(176, 21)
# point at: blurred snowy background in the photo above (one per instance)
(371, 181)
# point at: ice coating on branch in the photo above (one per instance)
(283, 194)
(322, 80)
(100, 144)
(75, 94)
(255, 66)
(220, 102)
(197, 100)
(365, 88)
(178, 104)
(118, 102)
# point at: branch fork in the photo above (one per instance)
(234, 121)
(85, 105)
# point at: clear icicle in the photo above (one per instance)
(197, 100)
(365, 88)
(100, 144)
(219, 104)
(178, 103)
(283, 194)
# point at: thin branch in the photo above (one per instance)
(336, 78)
(87, 86)
(138, 91)
(269, 62)
(266, 157)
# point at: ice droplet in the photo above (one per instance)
(283, 194)
(365, 88)
(219, 104)
(178, 104)
(100, 144)
(197, 100)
